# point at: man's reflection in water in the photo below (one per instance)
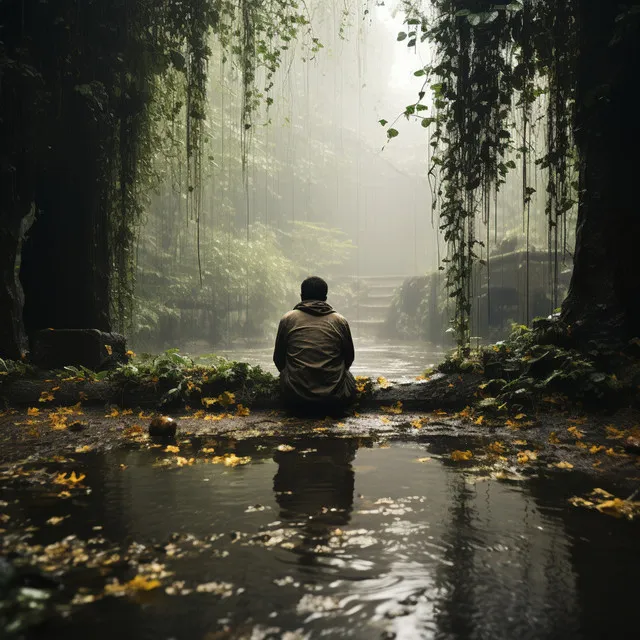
(314, 489)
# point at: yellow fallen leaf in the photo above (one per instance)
(208, 450)
(602, 493)
(520, 443)
(458, 456)
(56, 520)
(242, 411)
(574, 431)
(553, 438)
(84, 449)
(596, 449)
(114, 413)
(563, 464)
(215, 417)
(395, 409)
(613, 433)
(417, 424)
(619, 508)
(423, 459)
(383, 382)
(479, 420)
(108, 349)
(130, 354)
(520, 416)
(497, 447)
(139, 583)
(33, 411)
(183, 462)
(383, 419)
(69, 480)
(46, 396)
(231, 460)
(285, 448)
(170, 448)
(577, 501)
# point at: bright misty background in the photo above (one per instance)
(325, 192)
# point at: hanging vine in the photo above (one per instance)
(493, 61)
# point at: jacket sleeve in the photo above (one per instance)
(280, 351)
(347, 346)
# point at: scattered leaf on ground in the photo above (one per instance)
(458, 456)
(394, 409)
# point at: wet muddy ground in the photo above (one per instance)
(379, 525)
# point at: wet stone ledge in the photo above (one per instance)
(440, 391)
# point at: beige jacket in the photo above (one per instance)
(313, 353)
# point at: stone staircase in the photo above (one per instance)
(374, 299)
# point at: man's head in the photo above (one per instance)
(314, 288)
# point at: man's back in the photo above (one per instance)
(313, 352)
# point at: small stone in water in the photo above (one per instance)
(163, 427)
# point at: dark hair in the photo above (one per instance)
(314, 288)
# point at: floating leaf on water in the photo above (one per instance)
(619, 508)
(69, 480)
(54, 520)
(231, 460)
(223, 589)
(33, 411)
(208, 450)
(383, 382)
(139, 583)
(563, 464)
(423, 459)
(458, 456)
(46, 396)
(520, 443)
(84, 449)
(602, 492)
(285, 448)
(521, 416)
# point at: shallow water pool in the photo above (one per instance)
(318, 538)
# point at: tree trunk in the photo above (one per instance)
(603, 303)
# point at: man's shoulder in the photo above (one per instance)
(289, 315)
(338, 317)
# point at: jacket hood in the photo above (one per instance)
(315, 307)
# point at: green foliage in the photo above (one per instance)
(184, 380)
(11, 369)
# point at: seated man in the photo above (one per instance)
(313, 353)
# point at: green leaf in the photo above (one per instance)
(383, 122)
(402, 36)
(421, 107)
(392, 133)
(419, 72)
